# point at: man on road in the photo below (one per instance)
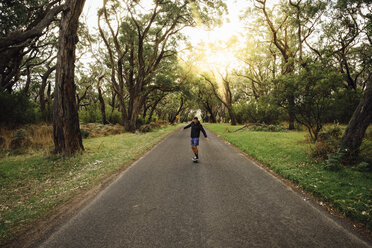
(196, 127)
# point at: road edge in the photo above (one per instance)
(356, 228)
(58, 216)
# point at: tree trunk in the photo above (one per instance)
(123, 111)
(291, 113)
(358, 124)
(213, 117)
(10, 63)
(101, 100)
(42, 91)
(153, 107)
(102, 106)
(173, 119)
(232, 116)
(210, 111)
(66, 130)
(50, 96)
(134, 109)
(28, 80)
(145, 109)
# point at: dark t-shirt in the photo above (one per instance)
(195, 129)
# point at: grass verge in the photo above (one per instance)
(349, 191)
(32, 185)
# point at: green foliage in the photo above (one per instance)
(114, 117)
(364, 167)
(313, 89)
(153, 126)
(16, 109)
(84, 133)
(17, 15)
(257, 111)
(349, 100)
(90, 114)
(269, 128)
(140, 121)
(333, 162)
(145, 128)
(328, 142)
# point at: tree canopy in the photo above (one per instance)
(302, 62)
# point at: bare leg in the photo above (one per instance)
(195, 149)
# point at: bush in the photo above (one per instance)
(84, 133)
(140, 121)
(90, 114)
(334, 161)
(269, 128)
(257, 112)
(162, 122)
(115, 117)
(153, 125)
(327, 145)
(92, 130)
(16, 109)
(364, 167)
(145, 128)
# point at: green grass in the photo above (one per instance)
(349, 191)
(32, 185)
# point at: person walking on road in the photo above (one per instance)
(196, 127)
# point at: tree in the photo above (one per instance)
(227, 99)
(359, 122)
(288, 31)
(101, 100)
(315, 88)
(22, 24)
(142, 42)
(207, 100)
(66, 130)
(362, 116)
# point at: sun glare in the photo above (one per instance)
(218, 58)
(219, 45)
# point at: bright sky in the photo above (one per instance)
(219, 57)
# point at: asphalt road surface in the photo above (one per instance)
(165, 200)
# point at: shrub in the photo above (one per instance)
(84, 133)
(269, 128)
(364, 166)
(334, 161)
(162, 122)
(153, 125)
(327, 143)
(90, 114)
(115, 117)
(93, 130)
(260, 111)
(140, 121)
(145, 128)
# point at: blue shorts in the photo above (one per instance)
(194, 141)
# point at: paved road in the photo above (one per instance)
(165, 200)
